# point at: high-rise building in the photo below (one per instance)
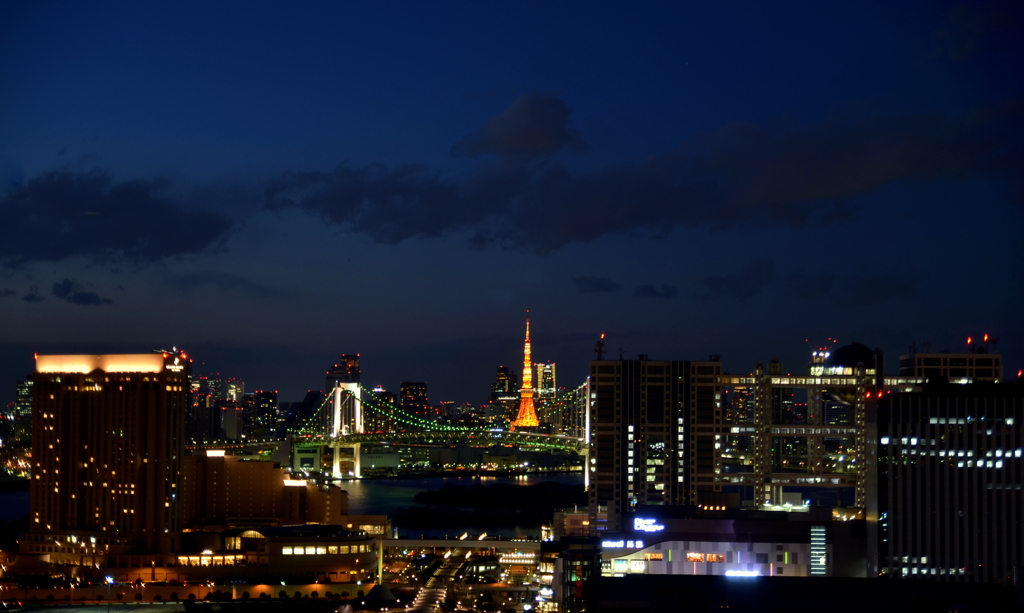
(233, 389)
(345, 371)
(951, 469)
(654, 428)
(504, 385)
(978, 365)
(23, 411)
(413, 399)
(106, 452)
(545, 383)
(381, 417)
(505, 394)
(203, 422)
(342, 384)
(264, 424)
(546, 392)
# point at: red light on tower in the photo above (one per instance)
(968, 340)
(985, 339)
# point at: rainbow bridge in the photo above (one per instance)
(341, 420)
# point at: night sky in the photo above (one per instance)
(269, 186)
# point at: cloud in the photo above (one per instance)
(33, 296)
(4, 293)
(224, 281)
(651, 291)
(740, 286)
(389, 205)
(68, 290)
(60, 215)
(534, 126)
(593, 285)
(739, 176)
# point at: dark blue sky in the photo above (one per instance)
(271, 186)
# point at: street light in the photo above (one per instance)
(110, 581)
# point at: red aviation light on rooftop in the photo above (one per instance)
(969, 340)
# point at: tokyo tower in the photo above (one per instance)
(527, 417)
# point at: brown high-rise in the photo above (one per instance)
(106, 455)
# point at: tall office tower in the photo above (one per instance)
(505, 393)
(381, 416)
(106, 452)
(23, 411)
(203, 422)
(545, 395)
(233, 389)
(950, 471)
(308, 414)
(738, 411)
(342, 382)
(544, 376)
(654, 434)
(412, 399)
(264, 424)
(232, 419)
(571, 409)
(504, 385)
(345, 371)
(527, 417)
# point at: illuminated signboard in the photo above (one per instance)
(742, 573)
(177, 366)
(621, 565)
(647, 525)
(628, 544)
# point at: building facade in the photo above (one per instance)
(23, 411)
(653, 427)
(412, 399)
(954, 367)
(951, 471)
(107, 450)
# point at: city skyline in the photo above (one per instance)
(270, 187)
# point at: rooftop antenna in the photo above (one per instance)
(599, 348)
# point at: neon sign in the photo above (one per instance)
(647, 525)
(620, 544)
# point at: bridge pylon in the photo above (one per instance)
(347, 410)
(344, 451)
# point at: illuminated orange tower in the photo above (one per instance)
(527, 417)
